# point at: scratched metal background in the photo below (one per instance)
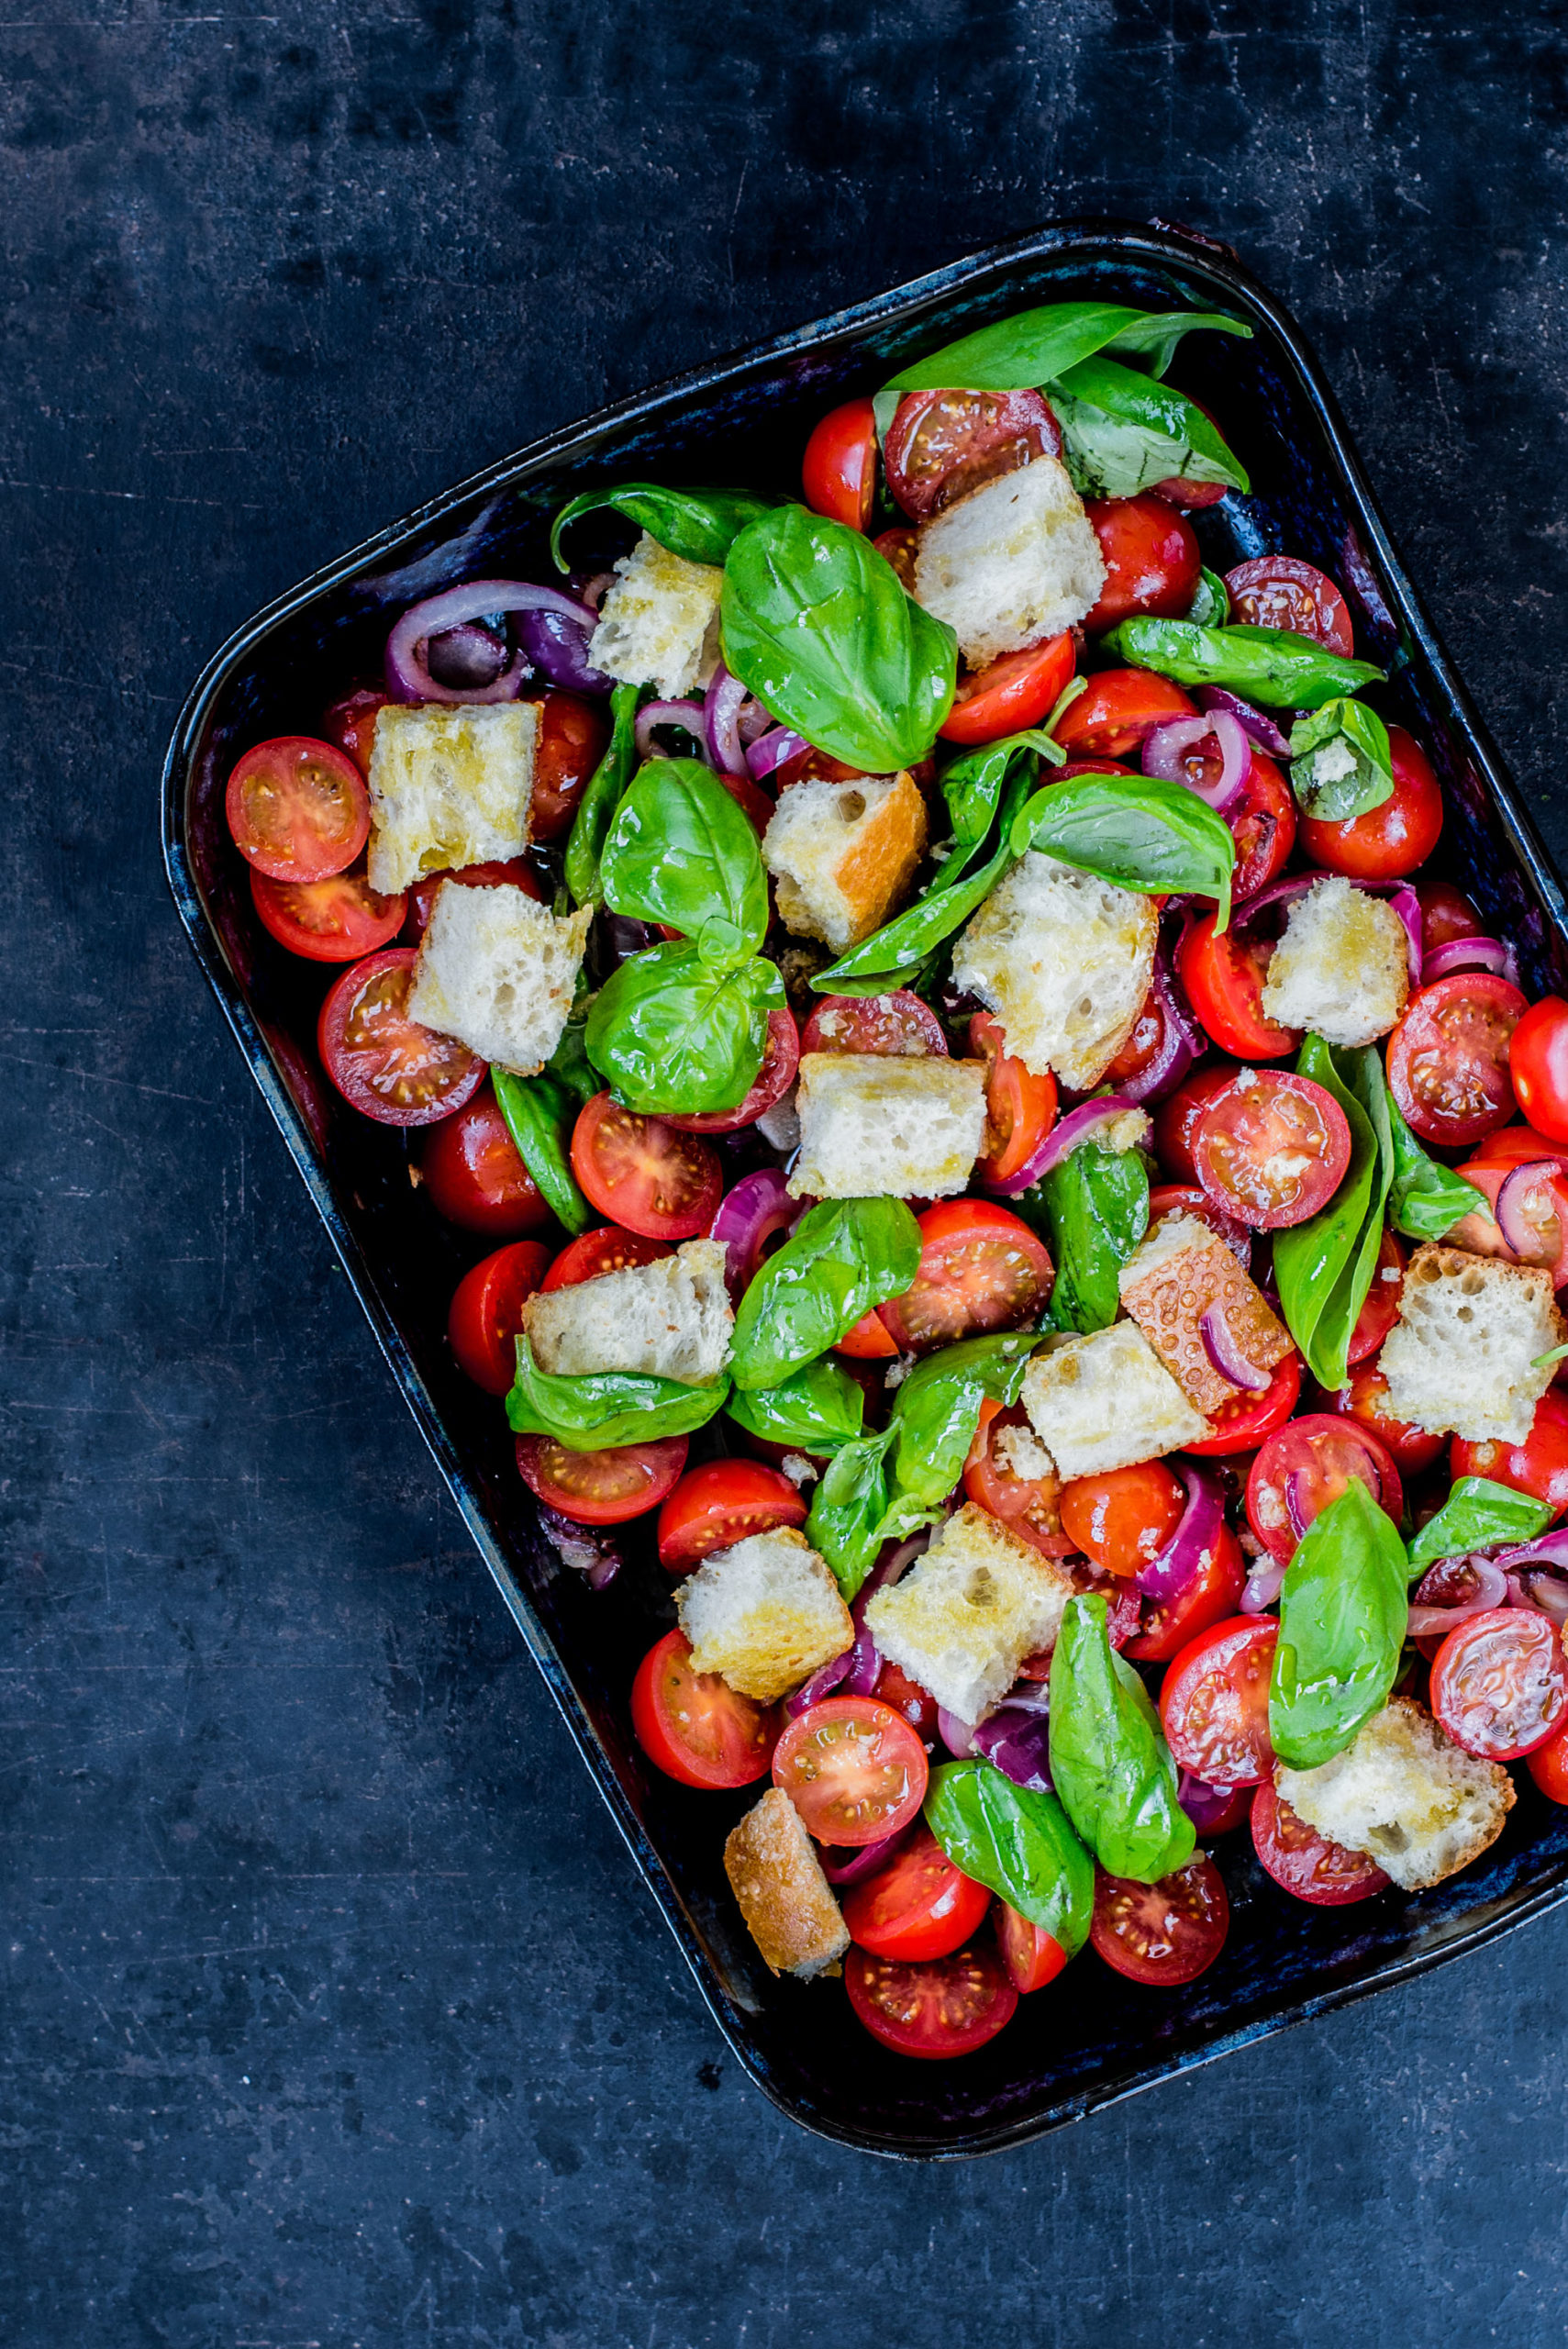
(332, 2012)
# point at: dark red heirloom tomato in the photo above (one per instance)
(1176, 1118)
(475, 1176)
(335, 920)
(1214, 1705)
(1166, 1625)
(512, 872)
(1500, 1683)
(381, 1062)
(1123, 1518)
(982, 1269)
(934, 2010)
(1243, 1425)
(1032, 1956)
(1281, 591)
(1366, 1399)
(721, 1503)
(1448, 1058)
(1223, 975)
(486, 1316)
(1271, 1148)
(1446, 914)
(692, 1726)
(606, 1250)
(1262, 824)
(1387, 841)
(1538, 1466)
(349, 724)
(1015, 691)
(780, 1059)
(1538, 1062)
(942, 444)
(917, 1905)
(645, 1173)
(1162, 1934)
(838, 472)
(1381, 1308)
(1020, 1107)
(1152, 559)
(1302, 1861)
(298, 809)
(853, 1768)
(1548, 1766)
(601, 1487)
(900, 1025)
(1305, 1465)
(1119, 708)
(1027, 1505)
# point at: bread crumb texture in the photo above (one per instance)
(961, 1619)
(1461, 1359)
(449, 786)
(498, 969)
(1015, 561)
(878, 1125)
(1106, 1402)
(1182, 1272)
(1405, 1793)
(1342, 968)
(672, 1318)
(844, 855)
(659, 623)
(763, 1614)
(1064, 959)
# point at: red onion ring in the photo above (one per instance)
(1546, 1549)
(956, 1735)
(1399, 895)
(849, 1864)
(408, 674)
(1262, 1587)
(1062, 1139)
(1226, 1357)
(771, 749)
(1205, 1805)
(1181, 1042)
(748, 1216)
(558, 649)
(1197, 1529)
(1164, 748)
(1472, 954)
(688, 715)
(721, 722)
(865, 1658)
(1016, 1737)
(822, 1683)
(1541, 1590)
(1263, 730)
(1427, 1622)
(1508, 1212)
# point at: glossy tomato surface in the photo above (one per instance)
(853, 1768)
(1214, 1705)
(1189, 1198)
(1281, 591)
(382, 1063)
(1176, 1118)
(475, 1176)
(982, 1269)
(1152, 559)
(297, 808)
(1166, 1625)
(721, 1503)
(606, 1487)
(1241, 1426)
(1263, 821)
(1027, 1504)
(1388, 841)
(1306, 1464)
(573, 734)
(933, 2009)
(1032, 1956)
(899, 1024)
(1446, 914)
(1302, 1861)
(486, 1316)
(1123, 1518)
(838, 472)
(608, 1249)
(1548, 1766)
(692, 1726)
(1500, 1683)
(644, 1173)
(1272, 1149)
(349, 724)
(1015, 691)
(1119, 708)
(335, 920)
(1223, 975)
(780, 1059)
(917, 1905)
(1381, 1308)
(1448, 1058)
(1538, 1466)
(1020, 1107)
(942, 444)
(1538, 1064)
(1162, 1934)
(1536, 1209)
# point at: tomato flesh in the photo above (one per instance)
(1032, 1956)
(297, 809)
(1224, 978)
(1281, 591)
(606, 1250)
(918, 1905)
(1271, 1148)
(1027, 1505)
(899, 1024)
(1015, 691)
(1305, 1862)
(1118, 708)
(942, 444)
(475, 1176)
(1306, 1464)
(486, 1315)
(1123, 1518)
(1162, 1934)
(1500, 1683)
(780, 1059)
(853, 1768)
(606, 1487)
(1387, 841)
(719, 1504)
(1214, 1705)
(1538, 1466)
(1262, 819)
(644, 1173)
(692, 1726)
(1176, 1118)
(837, 472)
(936, 2010)
(1151, 559)
(335, 920)
(1366, 1398)
(1020, 1107)
(382, 1063)
(980, 1270)
(1448, 1058)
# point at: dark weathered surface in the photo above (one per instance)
(333, 2012)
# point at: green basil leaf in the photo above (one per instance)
(1343, 1609)
(671, 1034)
(540, 1113)
(1211, 604)
(600, 1409)
(1263, 665)
(701, 525)
(1477, 1515)
(973, 785)
(568, 1063)
(848, 1509)
(1324, 1267)
(1123, 433)
(680, 851)
(1340, 761)
(1017, 1843)
(1137, 830)
(937, 1410)
(602, 795)
(817, 1408)
(1425, 1200)
(843, 1257)
(1111, 1764)
(1094, 1207)
(818, 625)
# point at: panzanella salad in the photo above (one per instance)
(997, 1135)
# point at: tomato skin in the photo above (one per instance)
(1365, 1398)
(942, 444)
(475, 1176)
(1263, 821)
(853, 1768)
(1123, 1518)
(1214, 1705)
(1381, 1308)
(512, 872)
(1305, 1465)
(1500, 1683)
(1176, 1118)
(917, 1705)
(643, 1173)
(1020, 1107)
(606, 1248)
(837, 472)
(1448, 1057)
(942, 2007)
(780, 1059)
(1538, 1062)
(1167, 1625)
(1266, 1117)
(1243, 1425)
(919, 1905)
(383, 1063)
(1027, 1505)
(1118, 709)
(1520, 1146)
(1190, 1198)
(867, 1342)
(1281, 591)
(335, 920)
(487, 1313)
(1151, 559)
(900, 1025)
(1224, 977)
(1015, 691)
(719, 1504)
(982, 1269)
(573, 734)
(1541, 1200)
(608, 1487)
(1302, 1861)
(1538, 1466)
(297, 808)
(1388, 841)
(349, 724)
(739, 1749)
(900, 547)
(1548, 1766)
(1162, 1934)
(1032, 1956)
(1446, 914)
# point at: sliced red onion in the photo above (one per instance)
(865, 1657)
(1509, 1211)
(470, 656)
(721, 722)
(1016, 1737)
(1546, 1549)
(755, 721)
(771, 751)
(1278, 893)
(822, 1683)
(1077, 1126)
(558, 647)
(1262, 1587)
(1165, 748)
(594, 591)
(1472, 954)
(1294, 1486)
(1429, 1622)
(852, 1864)
(591, 1551)
(686, 714)
(1205, 1805)
(1408, 905)
(1181, 1042)
(1226, 1357)
(1262, 729)
(1197, 1529)
(408, 674)
(956, 1735)
(748, 1217)
(1542, 1590)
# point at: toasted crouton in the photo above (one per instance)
(1182, 1271)
(1064, 959)
(1461, 1359)
(873, 1123)
(1342, 967)
(671, 1318)
(498, 969)
(786, 1900)
(1106, 1402)
(843, 855)
(1014, 561)
(763, 1614)
(963, 1617)
(449, 786)
(1405, 1793)
(658, 624)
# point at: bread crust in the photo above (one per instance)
(786, 1899)
(1168, 1293)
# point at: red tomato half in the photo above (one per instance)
(942, 444)
(1387, 841)
(381, 1062)
(1262, 823)
(900, 547)
(475, 1176)
(1548, 1766)
(1302, 1861)
(781, 1057)
(1162, 1934)
(1032, 1956)
(837, 472)
(350, 725)
(573, 734)
(1123, 1518)
(1224, 977)
(1538, 1213)
(335, 920)
(1020, 1107)
(1151, 556)
(1520, 1146)
(917, 1705)
(297, 808)
(1448, 1059)
(1305, 1467)
(1381, 1308)
(899, 1024)
(1272, 1149)
(918, 1906)
(1214, 1706)
(1500, 1683)
(1538, 1466)
(512, 872)
(853, 1768)
(692, 1726)
(1280, 591)
(486, 1315)
(1241, 1426)
(1027, 1505)
(721, 1503)
(608, 1250)
(942, 2007)
(1187, 1198)
(601, 1487)
(1366, 1399)
(1015, 691)
(1118, 709)
(1537, 1061)
(982, 1269)
(1176, 1118)
(1166, 1625)
(645, 1173)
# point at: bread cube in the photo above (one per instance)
(1342, 968)
(1064, 959)
(499, 971)
(1106, 1402)
(873, 1123)
(764, 1614)
(788, 1902)
(670, 1319)
(843, 855)
(1461, 1357)
(449, 786)
(1014, 561)
(1182, 1271)
(659, 623)
(1405, 1793)
(963, 1619)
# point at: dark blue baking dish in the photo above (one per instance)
(1094, 2037)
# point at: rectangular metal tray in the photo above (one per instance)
(1093, 2038)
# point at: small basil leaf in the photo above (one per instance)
(1095, 1209)
(1343, 1609)
(602, 795)
(1019, 1843)
(540, 1112)
(601, 1409)
(680, 851)
(817, 1408)
(1340, 761)
(1425, 1200)
(848, 1508)
(1211, 604)
(701, 525)
(1262, 664)
(1479, 1515)
(843, 1257)
(1111, 1764)
(1137, 830)
(1124, 432)
(818, 625)
(673, 1035)
(972, 786)
(937, 1410)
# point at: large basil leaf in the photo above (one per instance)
(850, 1508)
(842, 1258)
(937, 1409)
(1123, 432)
(1017, 1843)
(1477, 1515)
(1112, 1766)
(600, 1409)
(1343, 1609)
(1094, 1207)
(680, 851)
(1425, 1200)
(817, 1408)
(1265, 665)
(1137, 830)
(1340, 761)
(1324, 1267)
(818, 625)
(674, 1033)
(540, 1112)
(701, 525)
(602, 795)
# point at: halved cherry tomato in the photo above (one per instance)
(1015, 691)
(645, 1173)
(1538, 1466)
(753, 803)
(1271, 1148)
(1123, 1518)
(781, 1057)
(1500, 1683)
(719, 1504)
(1262, 824)
(981, 1269)
(297, 808)
(1548, 1766)
(1151, 556)
(1020, 1107)
(1124, 1610)
(933, 2010)
(900, 547)
(1192, 494)
(853, 1768)
(1224, 978)
(1390, 840)
(1281, 591)
(1448, 1059)
(692, 1726)
(917, 1705)
(1165, 1625)
(573, 734)
(1538, 1062)
(1446, 914)
(1119, 707)
(837, 472)
(1162, 1934)
(381, 1062)
(867, 1342)
(1176, 1118)
(899, 1024)
(475, 1176)
(512, 872)
(1032, 1956)
(1241, 1426)
(350, 723)
(1366, 1398)
(1027, 1505)
(917, 1905)
(606, 1250)
(1380, 1309)
(1190, 1198)
(1538, 1213)
(606, 1488)
(335, 920)
(1520, 1146)
(1302, 1861)
(942, 444)
(1305, 1465)
(1214, 1705)
(487, 1313)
